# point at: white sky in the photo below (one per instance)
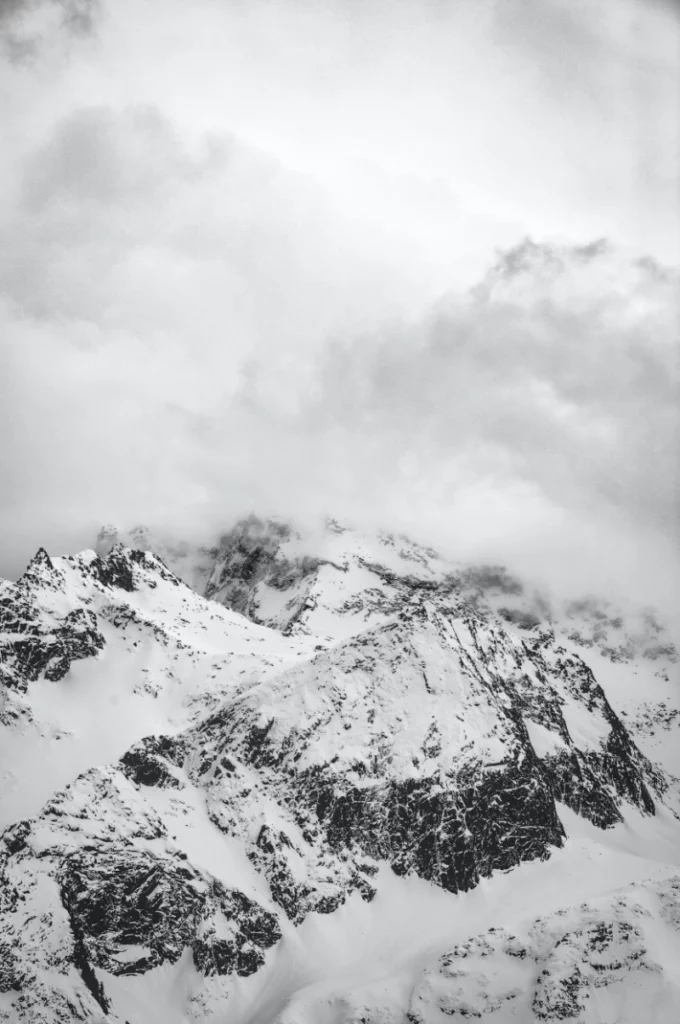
(226, 234)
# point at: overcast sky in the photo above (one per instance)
(270, 255)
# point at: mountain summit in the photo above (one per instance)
(297, 779)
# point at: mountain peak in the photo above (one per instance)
(41, 558)
(40, 570)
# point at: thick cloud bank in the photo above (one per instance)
(271, 256)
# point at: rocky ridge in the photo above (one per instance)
(290, 580)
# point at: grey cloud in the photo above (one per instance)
(137, 277)
(28, 27)
(9, 9)
(561, 369)
(98, 156)
(95, 190)
(116, 220)
(536, 418)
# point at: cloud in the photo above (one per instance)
(27, 27)
(269, 256)
(554, 385)
(534, 419)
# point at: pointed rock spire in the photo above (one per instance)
(41, 558)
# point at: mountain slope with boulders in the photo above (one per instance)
(341, 780)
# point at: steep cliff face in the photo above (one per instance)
(391, 720)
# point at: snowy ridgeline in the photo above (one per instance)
(333, 779)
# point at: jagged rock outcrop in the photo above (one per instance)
(95, 886)
(253, 574)
(35, 642)
(123, 900)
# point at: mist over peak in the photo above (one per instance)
(269, 282)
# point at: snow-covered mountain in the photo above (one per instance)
(331, 778)
(97, 653)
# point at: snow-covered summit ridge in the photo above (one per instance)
(337, 580)
(333, 582)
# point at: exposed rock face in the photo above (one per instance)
(35, 644)
(40, 636)
(250, 558)
(115, 894)
(37, 653)
(123, 900)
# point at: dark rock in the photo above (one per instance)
(39, 648)
(146, 763)
(122, 899)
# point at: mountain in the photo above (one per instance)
(98, 652)
(341, 779)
